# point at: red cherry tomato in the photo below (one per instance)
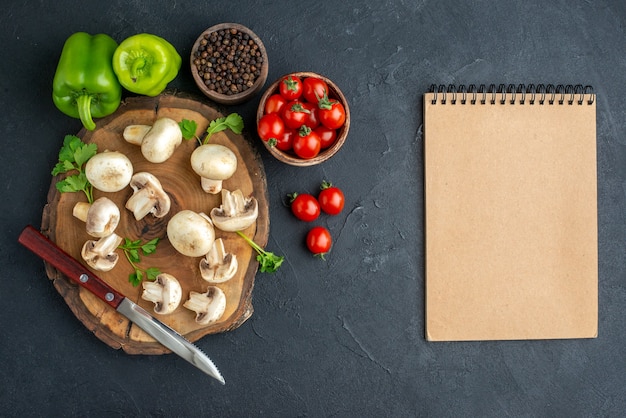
(295, 114)
(313, 89)
(285, 142)
(306, 144)
(270, 127)
(327, 136)
(275, 104)
(331, 199)
(319, 241)
(332, 114)
(305, 207)
(312, 121)
(290, 87)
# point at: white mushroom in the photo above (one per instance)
(165, 292)
(236, 212)
(214, 163)
(191, 233)
(101, 217)
(218, 266)
(209, 307)
(100, 255)
(109, 171)
(148, 197)
(158, 142)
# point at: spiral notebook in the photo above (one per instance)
(510, 212)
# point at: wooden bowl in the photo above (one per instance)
(235, 98)
(291, 158)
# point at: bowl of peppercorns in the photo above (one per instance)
(229, 63)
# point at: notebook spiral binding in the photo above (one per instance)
(514, 93)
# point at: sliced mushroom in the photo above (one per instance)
(191, 233)
(218, 266)
(100, 255)
(158, 142)
(101, 217)
(148, 197)
(165, 292)
(214, 163)
(109, 171)
(209, 307)
(236, 212)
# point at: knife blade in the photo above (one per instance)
(43, 247)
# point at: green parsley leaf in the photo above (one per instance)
(188, 128)
(268, 261)
(132, 250)
(73, 155)
(233, 121)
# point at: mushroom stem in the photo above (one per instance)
(211, 186)
(80, 211)
(134, 134)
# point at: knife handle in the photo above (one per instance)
(69, 266)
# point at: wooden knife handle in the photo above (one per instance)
(69, 266)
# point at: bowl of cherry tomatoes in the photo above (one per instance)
(303, 119)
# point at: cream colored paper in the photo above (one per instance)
(511, 220)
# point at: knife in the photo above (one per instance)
(39, 244)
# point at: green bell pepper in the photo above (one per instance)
(84, 85)
(146, 63)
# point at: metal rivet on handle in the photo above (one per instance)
(109, 297)
(83, 278)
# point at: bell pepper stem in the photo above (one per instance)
(137, 65)
(83, 104)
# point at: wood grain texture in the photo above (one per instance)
(183, 187)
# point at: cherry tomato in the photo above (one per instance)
(295, 114)
(327, 136)
(305, 207)
(312, 121)
(331, 199)
(275, 104)
(319, 241)
(332, 114)
(290, 87)
(313, 89)
(270, 126)
(306, 144)
(285, 142)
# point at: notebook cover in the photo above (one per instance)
(510, 220)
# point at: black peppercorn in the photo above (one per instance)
(229, 61)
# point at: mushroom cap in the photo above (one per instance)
(214, 161)
(191, 233)
(101, 217)
(148, 196)
(236, 212)
(161, 140)
(109, 171)
(209, 307)
(165, 292)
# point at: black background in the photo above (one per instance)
(345, 337)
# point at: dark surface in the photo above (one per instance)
(345, 337)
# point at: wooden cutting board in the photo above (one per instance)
(183, 186)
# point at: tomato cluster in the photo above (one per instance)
(307, 208)
(301, 116)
